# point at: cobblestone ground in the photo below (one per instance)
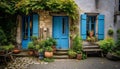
(22, 63)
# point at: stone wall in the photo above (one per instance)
(45, 24)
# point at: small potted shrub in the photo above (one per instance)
(2, 51)
(48, 52)
(77, 46)
(106, 45)
(72, 54)
(79, 55)
(31, 48)
(110, 32)
(54, 43)
(41, 53)
(91, 33)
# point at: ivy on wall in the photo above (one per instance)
(67, 6)
(10, 8)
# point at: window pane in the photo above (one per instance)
(63, 26)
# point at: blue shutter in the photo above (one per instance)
(35, 25)
(83, 26)
(100, 27)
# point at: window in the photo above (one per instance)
(63, 26)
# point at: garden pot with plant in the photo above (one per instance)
(91, 33)
(51, 42)
(110, 32)
(16, 50)
(41, 54)
(71, 54)
(106, 45)
(79, 55)
(31, 48)
(48, 52)
(77, 46)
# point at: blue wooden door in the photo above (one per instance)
(83, 26)
(100, 27)
(61, 31)
(29, 28)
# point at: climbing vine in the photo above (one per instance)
(67, 6)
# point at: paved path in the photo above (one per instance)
(89, 63)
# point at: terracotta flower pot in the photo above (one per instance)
(48, 54)
(91, 33)
(16, 51)
(79, 56)
(30, 52)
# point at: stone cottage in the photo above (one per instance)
(95, 15)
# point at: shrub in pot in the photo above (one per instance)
(41, 54)
(31, 48)
(71, 53)
(54, 43)
(79, 55)
(48, 52)
(110, 32)
(106, 45)
(77, 46)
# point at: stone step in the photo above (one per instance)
(85, 43)
(61, 53)
(88, 50)
(60, 56)
(91, 47)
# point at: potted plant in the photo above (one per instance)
(54, 43)
(41, 53)
(106, 45)
(31, 48)
(2, 51)
(48, 52)
(77, 46)
(110, 32)
(79, 55)
(36, 53)
(71, 53)
(91, 33)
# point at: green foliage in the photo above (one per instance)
(72, 53)
(31, 45)
(84, 56)
(110, 32)
(67, 6)
(48, 48)
(7, 47)
(3, 38)
(77, 44)
(54, 42)
(48, 59)
(107, 44)
(41, 50)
